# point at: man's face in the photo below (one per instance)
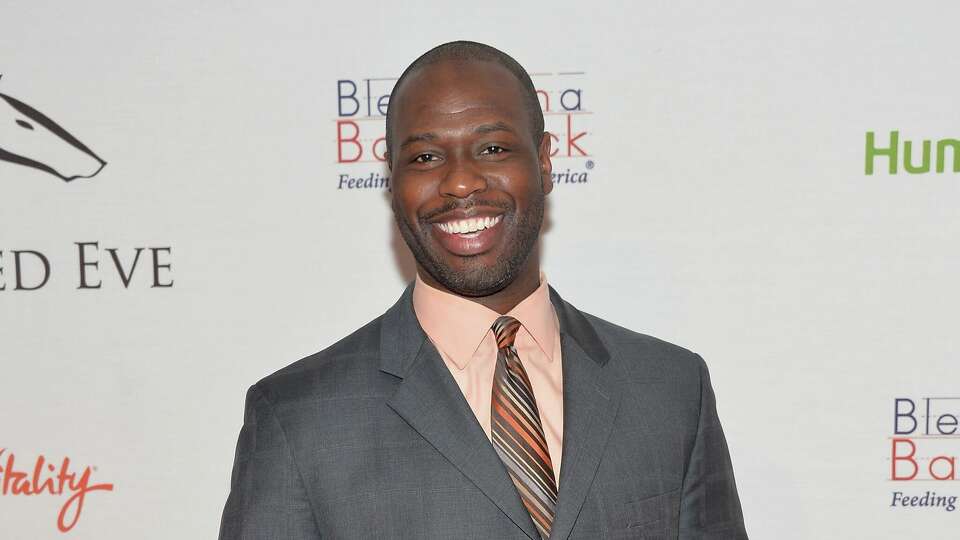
(468, 177)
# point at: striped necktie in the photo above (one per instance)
(517, 433)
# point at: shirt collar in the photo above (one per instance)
(458, 326)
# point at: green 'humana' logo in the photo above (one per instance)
(892, 153)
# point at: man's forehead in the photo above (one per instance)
(452, 86)
(454, 128)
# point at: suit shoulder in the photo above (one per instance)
(339, 367)
(652, 352)
(624, 337)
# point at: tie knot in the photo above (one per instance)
(505, 329)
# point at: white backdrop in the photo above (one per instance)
(726, 208)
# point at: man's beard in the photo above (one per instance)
(476, 280)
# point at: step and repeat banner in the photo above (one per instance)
(194, 196)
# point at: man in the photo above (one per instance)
(481, 405)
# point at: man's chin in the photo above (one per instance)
(479, 291)
(472, 282)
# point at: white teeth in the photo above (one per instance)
(468, 226)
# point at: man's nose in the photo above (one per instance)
(462, 178)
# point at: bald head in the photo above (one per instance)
(461, 54)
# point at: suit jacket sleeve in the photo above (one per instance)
(710, 507)
(267, 496)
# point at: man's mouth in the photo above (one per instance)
(468, 236)
(468, 228)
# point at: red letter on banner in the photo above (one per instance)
(354, 140)
(571, 139)
(953, 468)
(908, 458)
(380, 156)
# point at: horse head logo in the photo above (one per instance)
(30, 138)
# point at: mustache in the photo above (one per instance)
(464, 204)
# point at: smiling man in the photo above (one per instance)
(481, 405)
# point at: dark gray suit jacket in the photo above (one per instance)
(372, 438)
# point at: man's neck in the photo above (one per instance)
(505, 299)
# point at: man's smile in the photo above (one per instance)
(466, 227)
(468, 236)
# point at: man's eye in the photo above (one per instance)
(493, 149)
(424, 158)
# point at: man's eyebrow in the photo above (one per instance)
(418, 137)
(479, 130)
(490, 128)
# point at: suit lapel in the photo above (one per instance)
(430, 401)
(591, 399)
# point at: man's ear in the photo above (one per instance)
(546, 166)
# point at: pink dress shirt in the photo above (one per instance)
(460, 330)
